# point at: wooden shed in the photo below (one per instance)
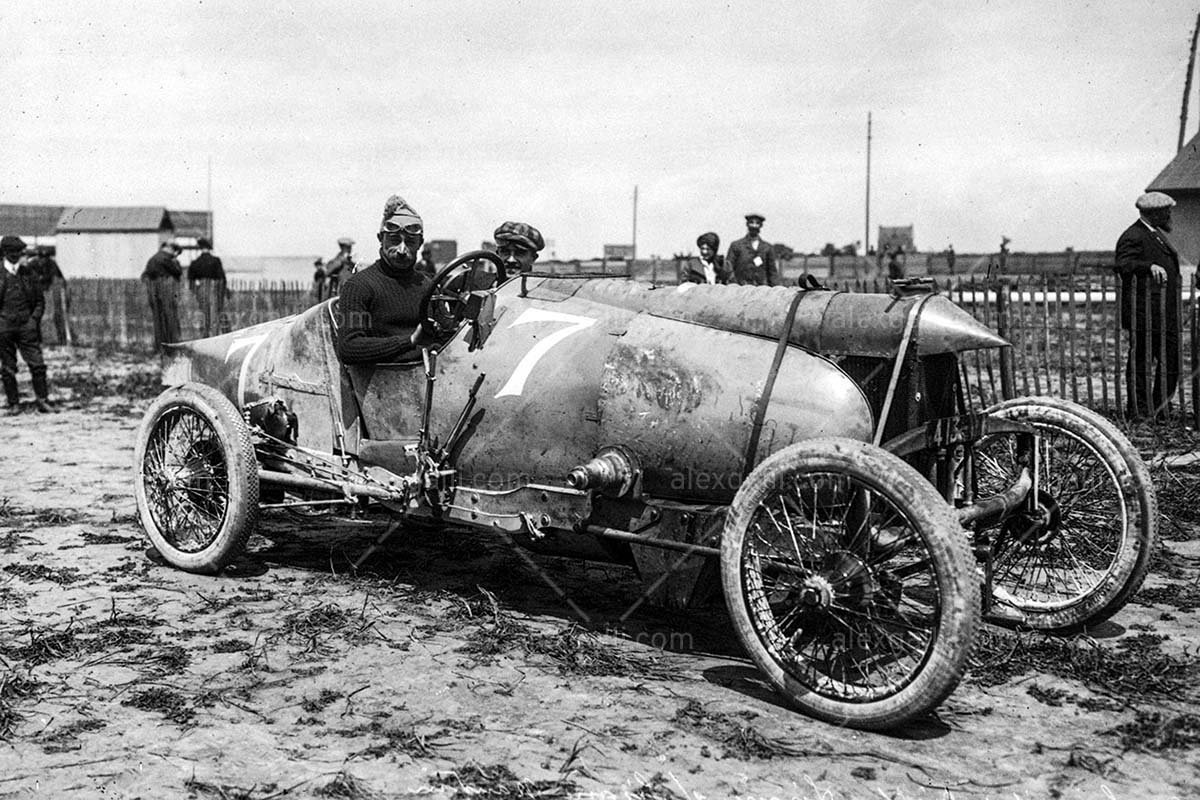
(1181, 180)
(116, 241)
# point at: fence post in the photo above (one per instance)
(1006, 353)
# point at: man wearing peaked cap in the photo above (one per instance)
(1148, 266)
(518, 243)
(750, 259)
(379, 311)
(21, 307)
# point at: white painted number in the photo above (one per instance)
(516, 382)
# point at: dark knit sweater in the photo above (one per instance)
(377, 313)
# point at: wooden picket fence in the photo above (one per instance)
(1064, 329)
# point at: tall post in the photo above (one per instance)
(867, 225)
(209, 226)
(634, 243)
(1187, 85)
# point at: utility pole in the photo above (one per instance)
(1187, 85)
(867, 231)
(634, 222)
(209, 227)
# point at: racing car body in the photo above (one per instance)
(818, 446)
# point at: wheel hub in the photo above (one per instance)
(816, 592)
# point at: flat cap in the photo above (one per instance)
(345, 241)
(12, 244)
(756, 216)
(1152, 200)
(520, 233)
(203, 243)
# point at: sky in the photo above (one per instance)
(1037, 121)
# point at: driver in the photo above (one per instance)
(518, 244)
(379, 316)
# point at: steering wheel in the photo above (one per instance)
(443, 305)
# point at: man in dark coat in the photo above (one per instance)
(54, 290)
(162, 276)
(21, 308)
(379, 310)
(750, 259)
(340, 267)
(1150, 286)
(206, 279)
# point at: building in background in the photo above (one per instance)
(34, 224)
(891, 237)
(116, 241)
(618, 252)
(1181, 179)
(444, 250)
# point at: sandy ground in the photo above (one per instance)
(446, 665)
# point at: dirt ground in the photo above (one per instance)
(451, 665)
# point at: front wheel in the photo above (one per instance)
(1078, 557)
(196, 479)
(850, 583)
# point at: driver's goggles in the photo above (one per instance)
(506, 250)
(408, 233)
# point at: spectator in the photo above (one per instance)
(1148, 264)
(206, 279)
(54, 290)
(340, 266)
(710, 266)
(318, 284)
(161, 277)
(750, 259)
(21, 310)
(950, 258)
(518, 243)
(426, 264)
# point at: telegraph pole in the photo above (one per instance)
(1187, 85)
(634, 222)
(867, 226)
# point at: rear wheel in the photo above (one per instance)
(197, 478)
(850, 583)
(1078, 559)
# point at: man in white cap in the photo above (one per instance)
(1149, 268)
(379, 311)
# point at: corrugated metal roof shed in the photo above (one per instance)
(114, 218)
(1183, 173)
(27, 220)
(191, 223)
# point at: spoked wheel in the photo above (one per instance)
(1078, 558)
(850, 583)
(197, 478)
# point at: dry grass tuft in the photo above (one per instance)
(168, 702)
(1136, 667)
(1156, 731)
(498, 782)
(741, 741)
(14, 687)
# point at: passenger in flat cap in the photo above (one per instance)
(338, 268)
(21, 307)
(518, 243)
(206, 280)
(710, 266)
(379, 311)
(750, 259)
(1148, 265)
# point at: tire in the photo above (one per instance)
(812, 550)
(196, 478)
(1095, 550)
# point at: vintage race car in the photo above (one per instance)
(815, 454)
